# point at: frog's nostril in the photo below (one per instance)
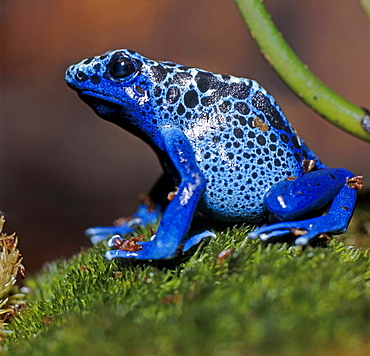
(81, 76)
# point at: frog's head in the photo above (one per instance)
(114, 86)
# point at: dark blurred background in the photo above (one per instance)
(63, 169)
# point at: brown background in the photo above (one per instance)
(63, 169)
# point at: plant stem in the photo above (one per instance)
(331, 106)
(366, 7)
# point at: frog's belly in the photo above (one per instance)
(236, 187)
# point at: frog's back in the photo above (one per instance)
(242, 141)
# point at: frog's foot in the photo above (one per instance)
(150, 250)
(142, 217)
(331, 188)
(301, 231)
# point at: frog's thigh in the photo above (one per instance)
(291, 199)
(340, 196)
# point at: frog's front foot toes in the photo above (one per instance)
(145, 215)
(135, 248)
(97, 234)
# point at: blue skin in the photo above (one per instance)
(224, 142)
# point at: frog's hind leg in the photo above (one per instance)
(149, 212)
(289, 200)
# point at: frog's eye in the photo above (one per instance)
(121, 68)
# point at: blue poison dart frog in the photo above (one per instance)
(226, 146)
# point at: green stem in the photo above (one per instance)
(366, 6)
(334, 108)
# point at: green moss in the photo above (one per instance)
(259, 300)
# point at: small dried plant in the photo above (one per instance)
(10, 266)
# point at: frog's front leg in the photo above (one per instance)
(176, 220)
(290, 200)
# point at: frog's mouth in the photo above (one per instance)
(89, 97)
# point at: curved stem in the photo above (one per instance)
(366, 6)
(331, 106)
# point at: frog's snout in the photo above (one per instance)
(76, 73)
(84, 73)
(69, 76)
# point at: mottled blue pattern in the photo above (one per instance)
(240, 139)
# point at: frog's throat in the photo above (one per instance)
(112, 110)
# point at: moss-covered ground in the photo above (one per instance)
(257, 300)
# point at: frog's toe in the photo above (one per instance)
(298, 235)
(196, 239)
(95, 239)
(97, 234)
(274, 234)
(137, 255)
(147, 250)
(115, 254)
(302, 240)
(264, 233)
(269, 234)
(94, 231)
